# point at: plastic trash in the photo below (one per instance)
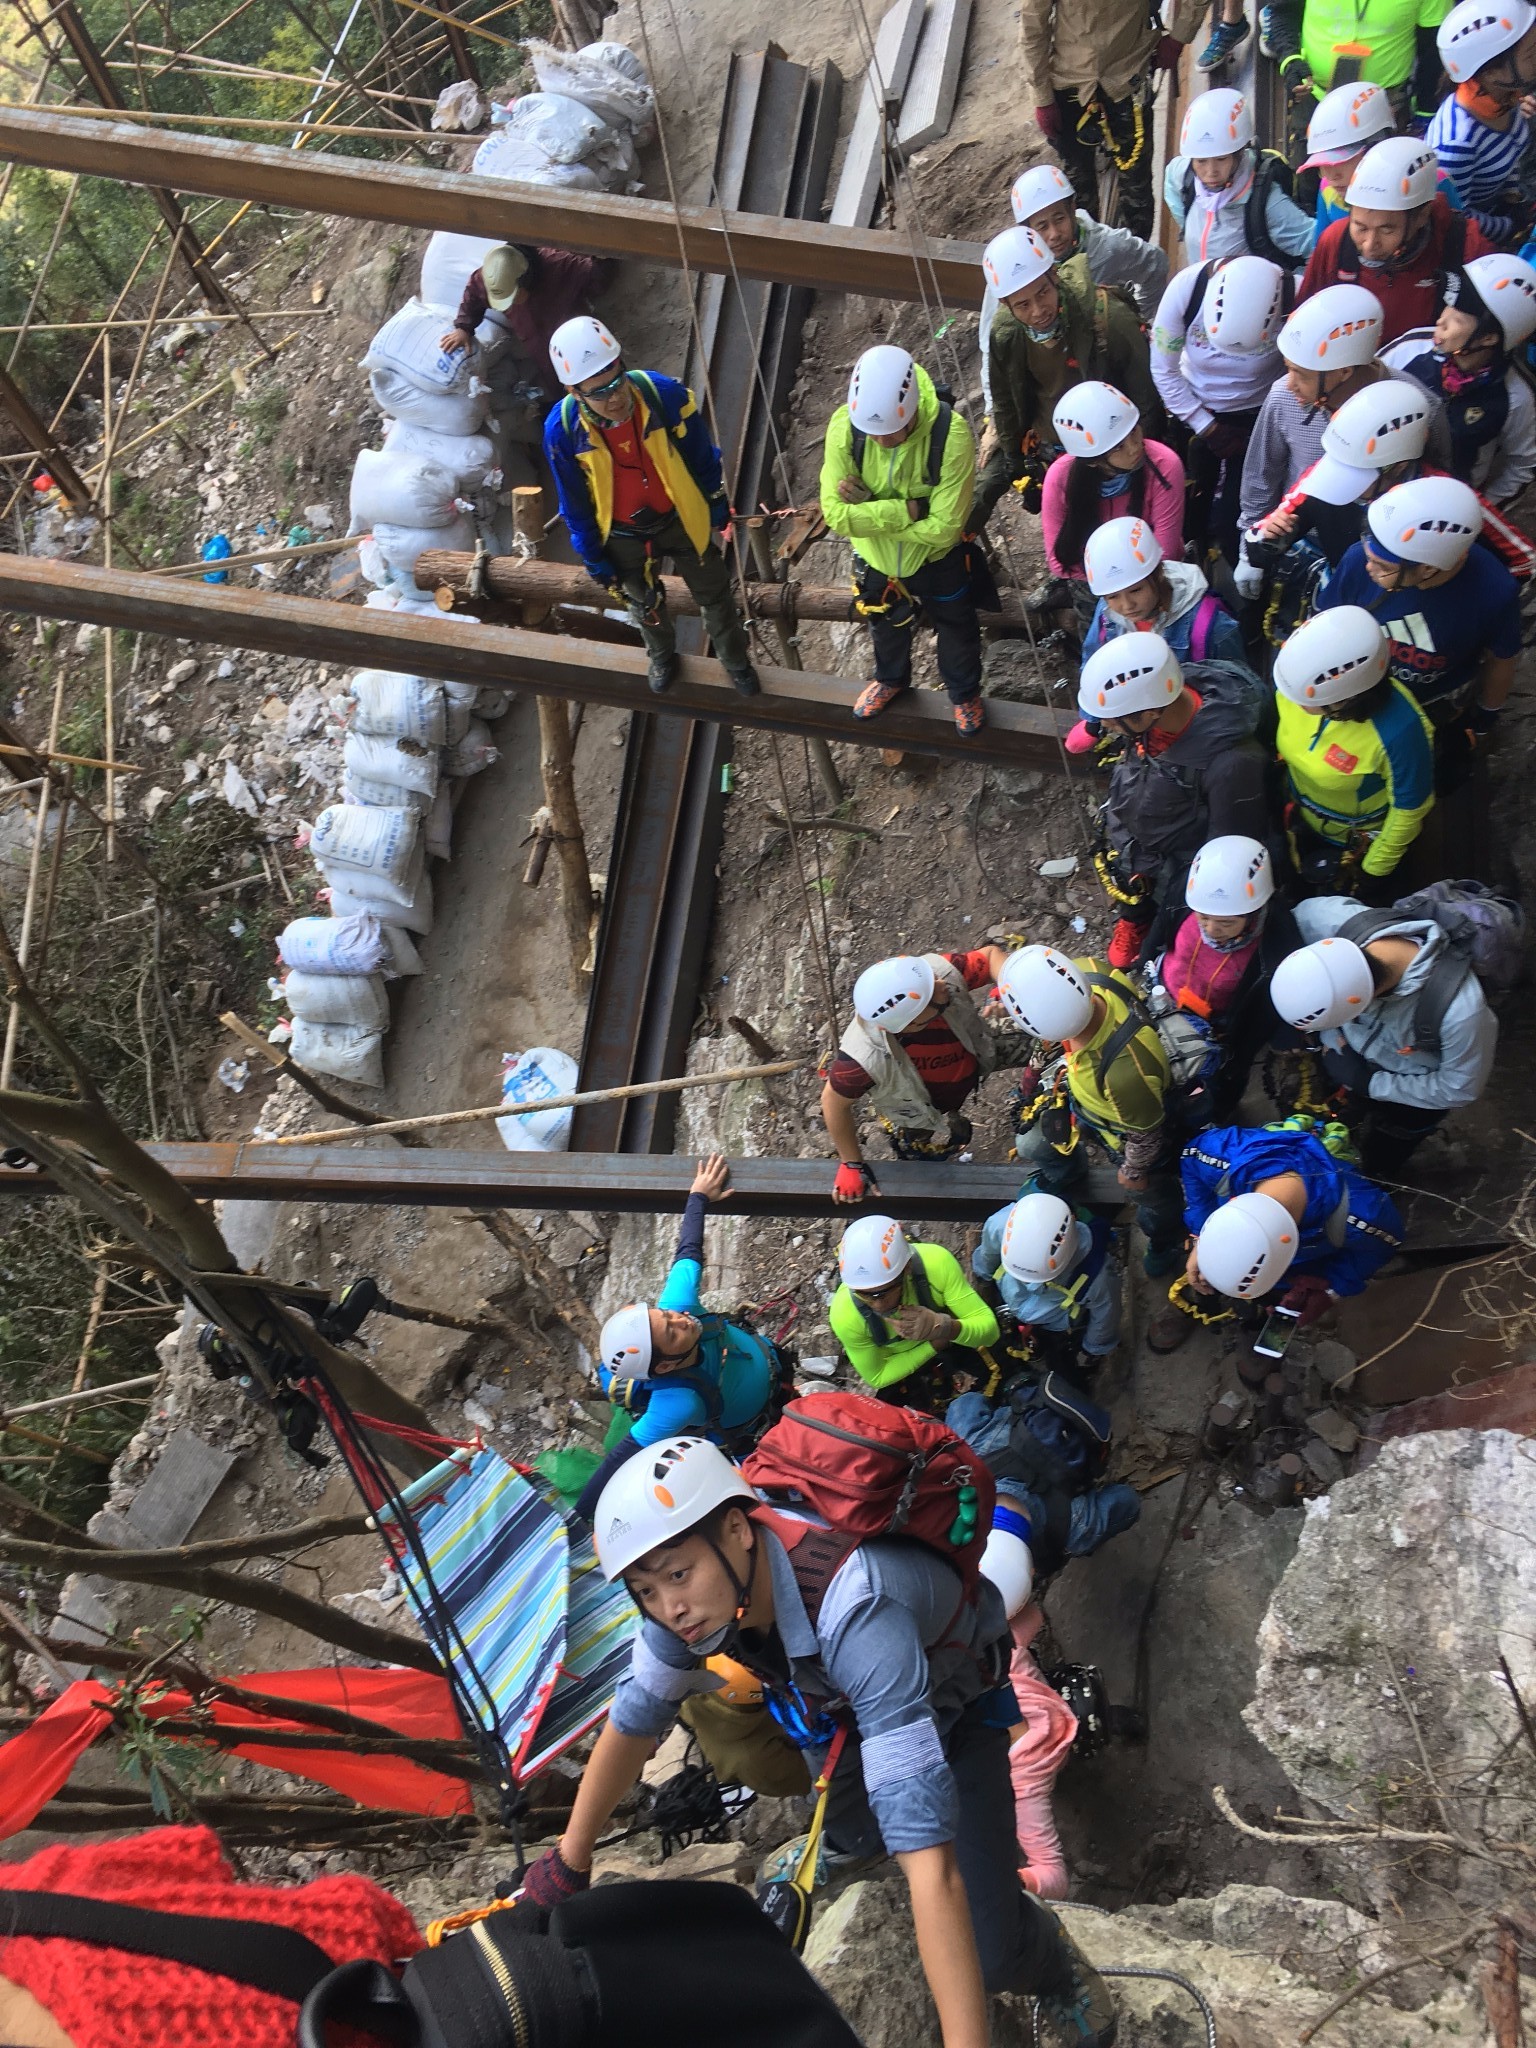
(474, 752)
(403, 956)
(535, 1076)
(399, 488)
(334, 945)
(356, 999)
(493, 704)
(341, 1051)
(567, 1470)
(217, 550)
(461, 108)
(234, 1074)
(608, 78)
(398, 707)
(544, 129)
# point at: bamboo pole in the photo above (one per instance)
(34, 870)
(73, 760)
(171, 319)
(312, 547)
(108, 678)
(88, 1397)
(719, 1079)
(469, 28)
(155, 115)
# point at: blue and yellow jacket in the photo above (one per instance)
(1374, 775)
(677, 442)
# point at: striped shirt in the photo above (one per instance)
(1483, 161)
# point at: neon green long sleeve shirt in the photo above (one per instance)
(880, 529)
(883, 1365)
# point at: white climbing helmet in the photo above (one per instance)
(1034, 190)
(1217, 123)
(1336, 655)
(1232, 876)
(882, 392)
(1345, 121)
(1133, 672)
(626, 1341)
(1429, 519)
(1009, 1564)
(1395, 176)
(581, 347)
(1477, 31)
(1507, 287)
(1039, 1239)
(1385, 423)
(892, 992)
(1092, 418)
(1338, 328)
(658, 1496)
(1246, 1246)
(1014, 259)
(1244, 307)
(1323, 985)
(1120, 553)
(873, 1252)
(1046, 993)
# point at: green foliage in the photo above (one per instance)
(263, 412)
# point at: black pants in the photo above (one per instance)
(1085, 133)
(1391, 1134)
(1215, 483)
(939, 592)
(1018, 1940)
(932, 1387)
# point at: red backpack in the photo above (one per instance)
(868, 1469)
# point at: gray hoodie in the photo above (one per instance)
(1288, 439)
(1383, 1033)
(1115, 256)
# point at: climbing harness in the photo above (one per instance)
(1096, 110)
(787, 1900)
(1182, 1295)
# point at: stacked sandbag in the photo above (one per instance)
(581, 129)
(413, 378)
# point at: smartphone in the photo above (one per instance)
(1279, 1328)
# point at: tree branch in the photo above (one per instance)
(1431, 1956)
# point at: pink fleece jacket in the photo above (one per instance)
(1034, 1760)
(1201, 979)
(1162, 505)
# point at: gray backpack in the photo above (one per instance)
(1485, 936)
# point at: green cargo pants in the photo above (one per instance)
(706, 575)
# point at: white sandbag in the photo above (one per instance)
(559, 127)
(398, 596)
(382, 796)
(438, 829)
(398, 707)
(341, 1051)
(409, 344)
(393, 486)
(608, 78)
(492, 704)
(333, 945)
(535, 1076)
(476, 751)
(469, 457)
(401, 546)
(440, 412)
(383, 843)
(374, 568)
(448, 262)
(352, 892)
(517, 153)
(401, 764)
(356, 999)
(403, 956)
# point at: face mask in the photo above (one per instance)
(1044, 336)
(1251, 928)
(1115, 486)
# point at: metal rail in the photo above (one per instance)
(795, 252)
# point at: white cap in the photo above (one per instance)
(626, 1342)
(1040, 1240)
(1133, 672)
(1395, 176)
(1338, 328)
(1507, 287)
(1477, 31)
(658, 1496)
(1232, 876)
(882, 392)
(1092, 418)
(1246, 1246)
(1244, 306)
(1347, 120)
(581, 347)
(1387, 422)
(1323, 985)
(1216, 123)
(1014, 259)
(1120, 553)
(1007, 1562)
(1429, 519)
(1338, 654)
(1034, 190)
(1046, 993)
(873, 1252)
(892, 992)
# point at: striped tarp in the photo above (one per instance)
(600, 1625)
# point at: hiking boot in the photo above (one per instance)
(970, 717)
(1226, 37)
(1125, 943)
(744, 681)
(871, 701)
(1266, 20)
(1083, 2014)
(1167, 1330)
(662, 670)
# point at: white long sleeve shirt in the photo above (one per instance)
(1199, 383)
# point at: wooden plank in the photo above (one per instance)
(929, 103)
(858, 183)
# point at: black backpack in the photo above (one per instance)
(1271, 170)
(1058, 1446)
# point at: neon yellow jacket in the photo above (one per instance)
(879, 530)
(882, 1365)
(1123, 1100)
(1374, 775)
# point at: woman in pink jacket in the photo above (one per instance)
(1110, 471)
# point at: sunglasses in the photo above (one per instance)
(606, 390)
(879, 1293)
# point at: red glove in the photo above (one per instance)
(853, 1182)
(1310, 1297)
(551, 1881)
(1167, 54)
(1048, 120)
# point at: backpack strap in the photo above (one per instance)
(922, 1286)
(263, 1957)
(936, 444)
(1444, 980)
(1266, 175)
(1136, 1020)
(1197, 295)
(858, 443)
(1084, 1415)
(816, 1555)
(1188, 190)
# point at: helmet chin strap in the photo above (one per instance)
(741, 1588)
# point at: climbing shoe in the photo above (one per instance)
(970, 717)
(872, 701)
(744, 681)
(1125, 943)
(1226, 37)
(662, 670)
(1167, 1330)
(1083, 2013)
(1266, 22)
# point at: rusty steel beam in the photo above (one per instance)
(609, 1182)
(501, 657)
(785, 251)
(34, 431)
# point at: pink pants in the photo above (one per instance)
(1034, 1760)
